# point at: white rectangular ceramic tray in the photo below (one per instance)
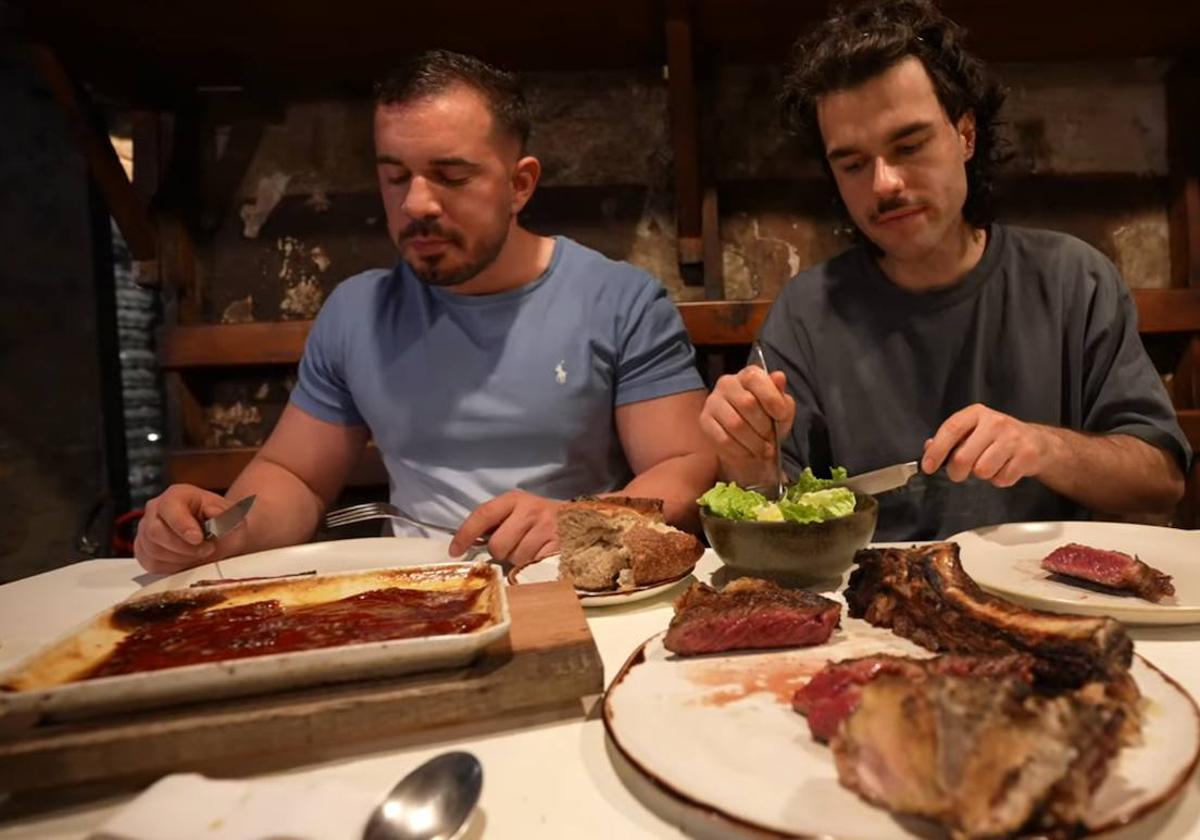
(42, 685)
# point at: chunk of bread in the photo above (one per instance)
(620, 543)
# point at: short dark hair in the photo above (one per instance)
(435, 71)
(855, 45)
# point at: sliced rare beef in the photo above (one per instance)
(1109, 569)
(834, 692)
(981, 756)
(749, 613)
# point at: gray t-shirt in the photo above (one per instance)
(468, 397)
(1043, 329)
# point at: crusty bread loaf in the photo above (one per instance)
(621, 542)
(651, 508)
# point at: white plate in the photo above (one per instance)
(547, 569)
(720, 732)
(322, 557)
(251, 675)
(1006, 560)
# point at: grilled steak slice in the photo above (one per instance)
(1111, 569)
(923, 594)
(834, 692)
(749, 613)
(984, 757)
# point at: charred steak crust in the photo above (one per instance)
(1112, 569)
(746, 614)
(982, 756)
(923, 594)
(834, 692)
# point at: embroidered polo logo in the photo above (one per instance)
(560, 372)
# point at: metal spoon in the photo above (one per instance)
(430, 803)
(758, 358)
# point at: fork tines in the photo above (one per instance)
(355, 513)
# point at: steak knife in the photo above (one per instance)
(224, 522)
(881, 480)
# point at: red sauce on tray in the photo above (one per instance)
(265, 627)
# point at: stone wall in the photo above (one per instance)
(1087, 144)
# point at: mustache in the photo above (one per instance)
(427, 227)
(889, 205)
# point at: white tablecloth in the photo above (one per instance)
(552, 779)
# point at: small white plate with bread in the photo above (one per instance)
(547, 569)
(615, 549)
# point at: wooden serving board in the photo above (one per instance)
(548, 662)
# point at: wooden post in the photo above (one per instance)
(685, 141)
(103, 163)
(1183, 157)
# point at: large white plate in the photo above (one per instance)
(322, 557)
(1006, 560)
(547, 570)
(719, 732)
(256, 674)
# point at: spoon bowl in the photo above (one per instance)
(432, 802)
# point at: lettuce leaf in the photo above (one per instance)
(732, 502)
(806, 482)
(809, 499)
(819, 505)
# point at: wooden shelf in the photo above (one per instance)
(216, 469)
(1168, 310)
(709, 323)
(232, 345)
(1189, 421)
(716, 323)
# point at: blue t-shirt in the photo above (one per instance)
(468, 397)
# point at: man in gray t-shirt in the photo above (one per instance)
(1006, 361)
(499, 372)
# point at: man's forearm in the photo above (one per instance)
(678, 481)
(286, 511)
(1110, 473)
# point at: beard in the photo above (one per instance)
(434, 271)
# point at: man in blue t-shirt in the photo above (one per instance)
(498, 372)
(1006, 361)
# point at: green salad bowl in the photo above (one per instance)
(792, 553)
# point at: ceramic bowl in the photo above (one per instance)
(792, 553)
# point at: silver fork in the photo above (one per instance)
(759, 358)
(382, 510)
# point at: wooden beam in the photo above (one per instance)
(714, 255)
(1183, 159)
(103, 164)
(232, 345)
(216, 469)
(684, 125)
(709, 323)
(217, 192)
(176, 204)
(1189, 421)
(716, 323)
(147, 139)
(1168, 310)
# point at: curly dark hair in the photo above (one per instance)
(432, 72)
(857, 44)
